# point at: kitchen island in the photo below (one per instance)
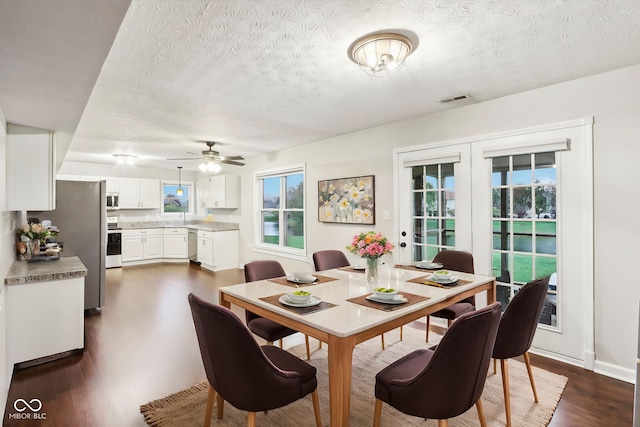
(45, 309)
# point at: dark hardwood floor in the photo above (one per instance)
(143, 347)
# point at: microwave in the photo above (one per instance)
(112, 201)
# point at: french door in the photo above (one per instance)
(521, 202)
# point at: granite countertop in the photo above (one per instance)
(44, 271)
(200, 225)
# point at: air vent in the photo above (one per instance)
(455, 98)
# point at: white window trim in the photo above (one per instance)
(192, 198)
(258, 245)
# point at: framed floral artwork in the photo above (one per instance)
(347, 200)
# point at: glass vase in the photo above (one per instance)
(34, 246)
(371, 273)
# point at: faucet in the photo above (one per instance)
(184, 217)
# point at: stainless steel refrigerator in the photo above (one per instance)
(81, 218)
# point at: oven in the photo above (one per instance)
(114, 244)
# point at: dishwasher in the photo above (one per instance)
(193, 246)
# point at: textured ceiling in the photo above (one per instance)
(259, 76)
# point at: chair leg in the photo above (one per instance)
(269, 342)
(251, 419)
(220, 407)
(281, 342)
(377, 413)
(443, 423)
(400, 333)
(306, 342)
(320, 345)
(210, 398)
(316, 407)
(504, 367)
(527, 361)
(495, 363)
(427, 334)
(382, 338)
(449, 322)
(483, 421)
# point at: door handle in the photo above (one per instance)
(403, 245)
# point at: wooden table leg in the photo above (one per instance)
(223, 302)
(340, 359)
(491, 293)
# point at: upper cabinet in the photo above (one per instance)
(139, 193)
(219, 191)
(31, 174)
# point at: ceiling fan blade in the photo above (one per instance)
(186, 158)
(232, 162)
(231, 158)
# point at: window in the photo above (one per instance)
(433, 188)
(174, 204)
(280, 223)
(524, 223)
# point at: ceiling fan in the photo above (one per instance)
(211, 159)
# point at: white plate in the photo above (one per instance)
(302, 282)
(429, 265)
(313, 301)
(399, 299)
(359, 267)
(453, 279)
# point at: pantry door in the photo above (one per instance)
(522, 203)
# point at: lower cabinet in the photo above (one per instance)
(218, 250)
(175, 243)
(142, 244)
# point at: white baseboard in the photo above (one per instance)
(602, 368)
(615, 371)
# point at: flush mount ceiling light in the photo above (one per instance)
(179, 191)
(381, 54)
(125, 159)
(210, 166)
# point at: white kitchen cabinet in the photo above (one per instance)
(113, 185)
(176, 243)
(44, 319)
(219, 192)
(205, 249)
(31, 169)
(142, 244)
(218, 250)
(139, 193)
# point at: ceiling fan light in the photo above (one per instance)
(211, 166)
(203, 167)
(381, 54)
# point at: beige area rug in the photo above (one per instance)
(186, 408)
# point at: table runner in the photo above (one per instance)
(284, 281)
(411, 299)
(423, 280)
(275, 300)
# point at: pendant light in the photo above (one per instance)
(179, 191)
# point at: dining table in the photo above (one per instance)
(346, 314)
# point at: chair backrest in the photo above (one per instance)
(520, 319)
(455, 260)
(262, 269)
(453, 379)
(331, 258)
(234, 363)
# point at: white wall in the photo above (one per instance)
(7, 256)
(608, 97)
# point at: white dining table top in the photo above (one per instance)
(348, 318)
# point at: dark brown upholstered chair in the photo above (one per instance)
(457, 261)
(250, 377)
(516, 331)
(265, 328)
(447, 380)
(331, 258)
